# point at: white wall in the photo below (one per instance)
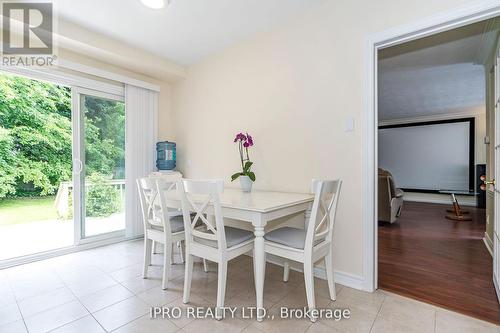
(293, 89)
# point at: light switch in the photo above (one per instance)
(349, 125)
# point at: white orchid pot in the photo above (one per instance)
(246, 183)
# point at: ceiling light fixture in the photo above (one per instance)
(155, 4)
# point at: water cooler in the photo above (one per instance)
(166, 155)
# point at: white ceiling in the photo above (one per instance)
(432, 76)
(186, 31)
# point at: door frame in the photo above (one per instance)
(496, 171)
(429, 26)
(78, 151)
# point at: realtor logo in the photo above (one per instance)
(27, 33)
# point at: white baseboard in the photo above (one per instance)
(440, 201)
(439, 198)
(488, 243)
(343, 278)
(350, 280)
(497, 288)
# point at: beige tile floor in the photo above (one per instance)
(101, 290)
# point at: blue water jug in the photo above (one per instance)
(165, 155)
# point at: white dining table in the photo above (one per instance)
(257, 208)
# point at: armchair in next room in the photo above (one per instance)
(390, 198)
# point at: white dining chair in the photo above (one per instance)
(313, 243)
(216, 242)
(169, 177)
(160, 225)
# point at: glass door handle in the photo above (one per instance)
(77, 166)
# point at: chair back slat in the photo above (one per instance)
(163, 187)
(148, 197)
(200, 211)
(320, 235)
(323, 211)
(202, 198)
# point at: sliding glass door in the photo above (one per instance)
(99, 152)
(62, 163)
(35, 167)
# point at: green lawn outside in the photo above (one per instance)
(24, 210)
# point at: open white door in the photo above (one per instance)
(496, 226)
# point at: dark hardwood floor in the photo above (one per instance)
(438, 261)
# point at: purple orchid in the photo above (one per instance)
(249, 140)
(244, 142)
(240, 137)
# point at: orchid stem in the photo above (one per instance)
(241, 156)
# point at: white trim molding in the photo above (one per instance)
(488, 243)
(107, 75)
(72, 79)
(343, 278)
(497, 289)
(474, 113)
(56, 76)
(488, 41)
(437, 23)
(438, 198)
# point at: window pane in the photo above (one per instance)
(104, 129)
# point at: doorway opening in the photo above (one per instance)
(435, 140)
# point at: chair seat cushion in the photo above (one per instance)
(176, 224)
(234, 236)
(288, 236)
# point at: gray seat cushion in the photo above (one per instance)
(177, 224)
(288, 236)
(234, 237)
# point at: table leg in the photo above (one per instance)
(260, 268)
(307, 215)
(458, 214)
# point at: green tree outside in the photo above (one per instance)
(36, 138)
